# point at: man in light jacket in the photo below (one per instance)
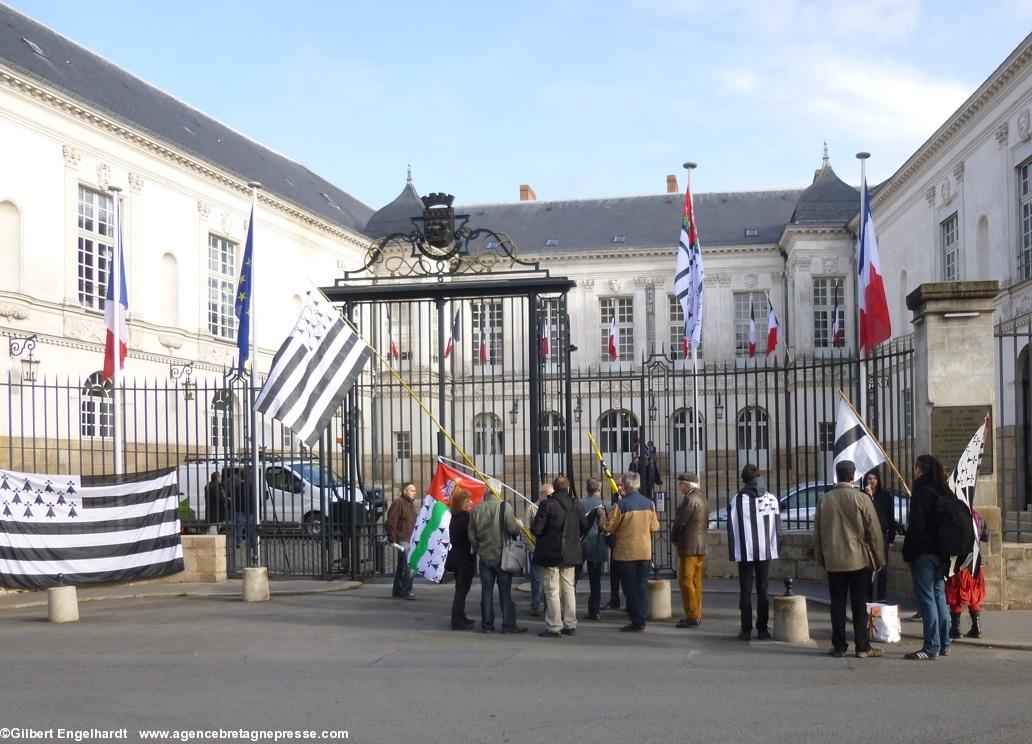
(689, 534)
(848, 545)
(632, 523)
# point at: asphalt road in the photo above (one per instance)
(386, 670)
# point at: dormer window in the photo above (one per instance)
(551, 243)
(752, 232)
(619, 238)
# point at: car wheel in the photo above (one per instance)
(313, 523)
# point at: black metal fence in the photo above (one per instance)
(1012, 430)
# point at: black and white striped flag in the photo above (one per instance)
(853, 442)
(313, 370)
(752, 527)
(55, 529)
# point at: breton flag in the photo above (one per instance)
(54, 530)
(773, 326)
(689, 275)
(875, 325)
(456, 329)
(962, 483)
(313, 371)
(242, 306)
(854, 441)
(612, 339)
(430, 542)
(752, 332)
(390, 335)
(838, 338)
(114, 316)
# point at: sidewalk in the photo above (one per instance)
(1007, 630)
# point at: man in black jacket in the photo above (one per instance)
(557, 527)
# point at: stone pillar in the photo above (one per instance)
(659, 600)
(62, 604)
(954, 361)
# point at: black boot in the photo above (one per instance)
(976, 629)
(954, 625)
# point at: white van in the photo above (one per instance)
(292, 492)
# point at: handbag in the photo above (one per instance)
(514, 551)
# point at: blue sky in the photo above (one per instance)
(578, 99)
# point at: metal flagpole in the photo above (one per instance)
(115, 271)
(695, 355)
(861, 377)
(259, 487)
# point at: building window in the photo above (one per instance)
(97, 411)
(752, 429)
(221, 286)
(826, 436)
(286, 439)
(688, 438)
(403, 445)
(1025, 246)
(488, 437)
(621, 308)
(618, 433)
(827, 294)
(950, 239)
(677, 331)
(96, 246)
(487, 329)
(221, 424)
(757, 302)
(553, 434)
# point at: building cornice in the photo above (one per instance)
(651, 252)
(999, 81)
(34, 90)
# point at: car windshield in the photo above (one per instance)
(311, 472)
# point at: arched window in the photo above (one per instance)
(618, 433)
(169, 291)
(222, 405)
(752, 429)
(10, 247)
(688, 438)
(488, 437)
(96, 409)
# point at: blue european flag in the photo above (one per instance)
(242, 306)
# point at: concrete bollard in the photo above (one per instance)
(659, 600)
(63, 604)
(791, 623)
(256, 584)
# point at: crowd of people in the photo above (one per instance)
(852, 531)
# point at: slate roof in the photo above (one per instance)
(827, 201)
(396, 216)
(100, 85)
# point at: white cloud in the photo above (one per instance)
(737, 80)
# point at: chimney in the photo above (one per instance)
(671, 185)
(527, 193)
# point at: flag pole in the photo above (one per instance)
(690, 166)
(861, 378)
(115, 270)
(258, 486)
(870, 433)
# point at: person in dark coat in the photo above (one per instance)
(557, 527)
(883, 505)
(926, 567)
(594, 548)
(461, 557)
(398, 525)
(215, 499)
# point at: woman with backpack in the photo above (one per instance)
(921, 552)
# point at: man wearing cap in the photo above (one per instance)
(847, 543)
(688, 533)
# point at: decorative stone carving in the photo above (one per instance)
(72, 157)
(589, 285)
(104, 175)
(1002, 133)
(136, 182)
(204, 210)
(614, 285)
(170, 342)
(829, 264)
(944, 190)
(15, 312)
(1024, 128)
(642, 282)
(930, 196)
(227, 223)
(958, 172)
(86, 332)
(723, 279)
(750, 281)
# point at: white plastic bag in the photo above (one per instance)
(883, 624)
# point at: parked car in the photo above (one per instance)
(798, 505)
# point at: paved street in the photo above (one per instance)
(387, 670)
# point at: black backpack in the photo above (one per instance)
(954, 530)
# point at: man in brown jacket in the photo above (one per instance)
(399, 523)
(848, 545)
(689, 534)
(631, 524)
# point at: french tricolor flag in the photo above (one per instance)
(752, 332)
(482, 348)
(875, 324)
(612, 339)
(837, 337)
(456, 328)
(544, 338)
(773, 326)
(390, 335)
(114, 317)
